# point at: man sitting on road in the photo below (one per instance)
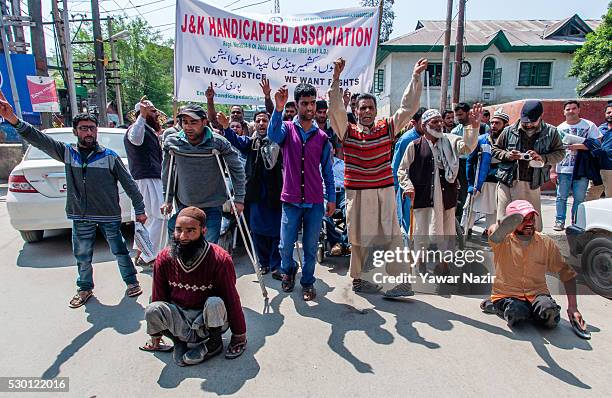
(522, 256)
(194, 296)
(91, 205)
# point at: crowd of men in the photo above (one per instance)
(417, 174)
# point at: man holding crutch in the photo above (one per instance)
(199, 181)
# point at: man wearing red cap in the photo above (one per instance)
(522, 256)
(194, 296)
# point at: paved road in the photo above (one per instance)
(341, 344)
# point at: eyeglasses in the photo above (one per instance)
(85, 129)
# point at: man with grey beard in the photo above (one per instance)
(428, 175)
(527, 150)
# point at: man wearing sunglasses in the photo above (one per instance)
(92, 200)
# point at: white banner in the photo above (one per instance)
(235, 51)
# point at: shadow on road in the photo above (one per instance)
(124, 318)
(222, 376)
(407, 312)
(343, 318)
(55, 250)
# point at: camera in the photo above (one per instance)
(525, 156)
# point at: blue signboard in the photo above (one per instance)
(23, 65)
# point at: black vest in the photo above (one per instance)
(144, 160)
(256, 173)
(422, 174)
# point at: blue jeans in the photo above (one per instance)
(333, 236)
(83, 240)
(213, 222)
(292, 219)
(578, 187)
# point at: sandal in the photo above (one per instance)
(133, 290)
(488, 307)
(161, 346)
(288, 282)
(276, 274)
(506, 226)
(79, 300)
(233, 355)
(580, 332)
(309, 293)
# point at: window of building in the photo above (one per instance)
(379, 81)
(435, 74)
(491, 76)
(534, 74)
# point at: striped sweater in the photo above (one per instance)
(368, 155)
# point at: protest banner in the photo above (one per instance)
(43, 94)
(234, 51)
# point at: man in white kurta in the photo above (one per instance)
(144, 156)
(437, 220)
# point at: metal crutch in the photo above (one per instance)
(171, 177)
(250, 250)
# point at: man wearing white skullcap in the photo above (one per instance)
(482, 188)
(428, 175)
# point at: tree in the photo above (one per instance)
(595, 56)
(386, 26)
(146, 65)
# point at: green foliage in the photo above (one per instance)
(146, 62)
(595, 57)
(386, 26)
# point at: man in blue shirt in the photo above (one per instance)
(306, 150)
(403, 205)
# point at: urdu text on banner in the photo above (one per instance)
(235, 51)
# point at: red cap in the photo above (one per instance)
(521, 207)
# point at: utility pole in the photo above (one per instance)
(115, 72)
(446, 56)
(37, 37)
(18, 29)
(74, 109)
(277, 6)
(9, 66)
(381, 6)
(459, 53)
(99, 62)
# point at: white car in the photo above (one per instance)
(590, 238)
(36, 198)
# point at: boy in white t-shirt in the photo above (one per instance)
(572, 131)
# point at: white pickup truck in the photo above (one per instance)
(590, 238)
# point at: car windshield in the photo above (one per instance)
(108, 140)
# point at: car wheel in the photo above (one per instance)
(32, 236)
(597, 266)
(320, 254)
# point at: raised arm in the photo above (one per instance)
(276, 130)
(53, 148)
(210, 107)
(265, 88)
(467, 143)
(242, 143)
(337, 110)
(410, 99)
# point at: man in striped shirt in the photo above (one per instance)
(370, 196)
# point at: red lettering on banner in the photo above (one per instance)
(339, 38)
(304, 38)
(212, 30)
(359, 37)
(184, 25)
(319, 36)
(311, 33)
(254, 35)
(245, 32)
(284, 33)
(328, 40)
(268, 31)
(262, 30)
(368, 37)
(200, 25)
